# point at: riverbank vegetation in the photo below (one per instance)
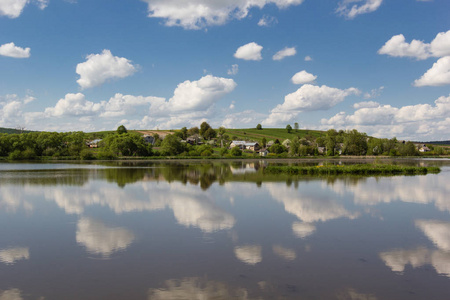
(206, 142)
(358, 169)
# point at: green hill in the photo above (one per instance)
(271, 134)
(11, 131)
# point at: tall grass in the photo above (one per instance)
(360, 169)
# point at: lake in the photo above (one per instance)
(221, 230)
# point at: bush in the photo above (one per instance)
(106, 155)
(235, 151)
(87, 154)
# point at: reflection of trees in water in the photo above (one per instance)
(77, 177)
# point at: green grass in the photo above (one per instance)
(360, 169)
(271, 134)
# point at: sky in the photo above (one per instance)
(378, 66)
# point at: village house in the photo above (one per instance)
(243, 145)
(93, 143)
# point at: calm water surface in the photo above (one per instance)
(220, 230)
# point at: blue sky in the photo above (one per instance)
(380, 66)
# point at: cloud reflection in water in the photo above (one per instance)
(100, 239)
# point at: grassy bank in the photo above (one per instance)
(360, 169)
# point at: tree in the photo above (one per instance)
(184, 133)
(296, 126)
(193, 131)
(235, 151)
(171, 145)
(121, 129)
(209, 133)
(289, 128)
(203, 128)
(259, 127)
(355, 143)
(264, 142)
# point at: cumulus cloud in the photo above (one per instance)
(398, 47)
(233, 70)
(250, 51)
(11, 50)
(73, 105)
(200, 94)
(366, 104)
(11, 112)
(406, 122)
(12, 8)
(202, 13)
(284, 53)
(267, 21)
(101, 239)
(284, 253)
(242, 119)
(308, 58)
(303, 77)
(121, 105)
(308, 98)
(98, 68)
(350, 10)
(438, 75)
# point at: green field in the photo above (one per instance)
(271, 134)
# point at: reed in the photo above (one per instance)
(359, 169)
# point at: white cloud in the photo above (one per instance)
(242, 119)
(234, 70)
(308, 58)
(42, 4)
(11, 255)
(303, 77)
(73, 105)
(202, 13)
(410, 122)
(101, 239)
(366, 104)
(284, 53)
(98, 68)
(199, 95)
(267, 21)
(250, 254)
(11, 112)
(398, 47)
(349, 10)
(250, 51)
(439, 74)
(374, 93)
(121, 105)
(307, 98)
(12, 8)
(11, 50)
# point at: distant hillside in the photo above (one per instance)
(270, 134)
(437, 143)
(10, 131)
